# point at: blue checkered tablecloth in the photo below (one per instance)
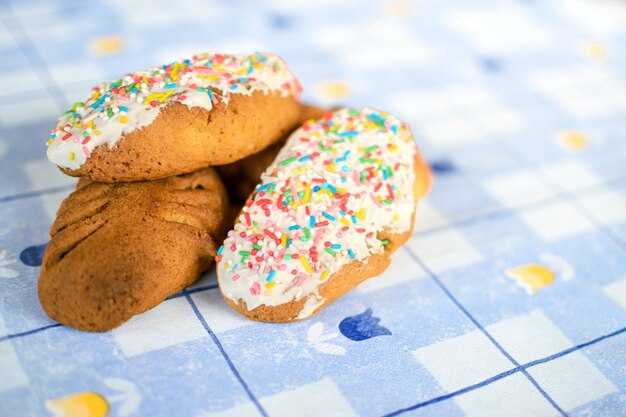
(510, 298)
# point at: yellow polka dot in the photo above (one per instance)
(573, 140)
(333, 90)
(84, 404)
(398, 8)
(531, 277)
(107, 45)
(595, 50)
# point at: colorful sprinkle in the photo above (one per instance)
(289, 160)
(328, 216)
(305, 264)
(255, 289)
(270, 276)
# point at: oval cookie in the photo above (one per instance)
(210, 109)
(117, 250)
(330, 210)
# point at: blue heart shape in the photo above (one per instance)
(33, 255)
(362, 327)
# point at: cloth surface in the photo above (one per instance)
(510, 298)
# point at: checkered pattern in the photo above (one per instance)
(489, 88)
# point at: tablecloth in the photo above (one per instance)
(510, 297)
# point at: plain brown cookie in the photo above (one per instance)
(118, 250)
(182, 140)
(241, 177)
(349, 276)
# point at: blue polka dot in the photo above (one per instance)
(362, 327)
(33, 255)
(443, 167)
(491, 64)
(279, 21)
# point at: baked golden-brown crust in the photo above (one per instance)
(118, 250)
(242, 176)
(350, 275)
(182, 140)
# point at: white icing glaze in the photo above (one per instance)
(339, 182)
(133, 102)
(313, 301)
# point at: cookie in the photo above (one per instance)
(337, 201)
(117, 250)
(210, 109)
(241, 177)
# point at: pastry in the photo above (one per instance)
(328, 213)
(117, 250)
(241, 177)
(211, 109)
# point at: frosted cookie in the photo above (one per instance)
(210, 109)
(328, 213)
(117, 250)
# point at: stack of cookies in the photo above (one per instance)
(149, 214)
